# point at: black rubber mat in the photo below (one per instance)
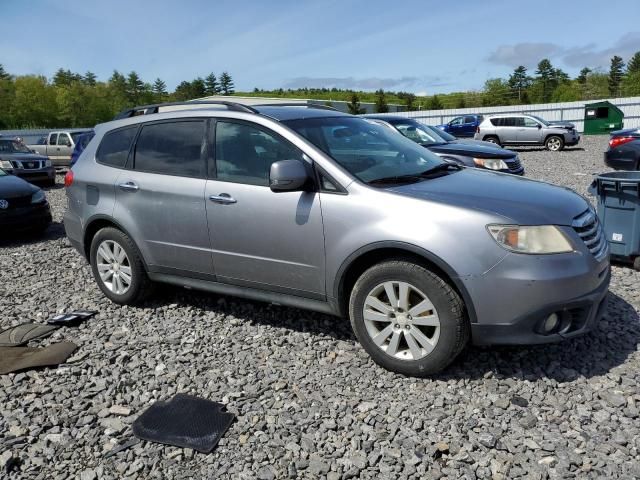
(184, 421)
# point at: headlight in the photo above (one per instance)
(530, 239)
(47, 163)
(38, 197)
(491, 163)
(5, 164)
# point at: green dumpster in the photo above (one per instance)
(601, 118)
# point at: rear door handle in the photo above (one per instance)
(129, 187)
(223, 199)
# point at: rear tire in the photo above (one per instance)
(492, 139)
(554, 143)
(407, 318)
(636, 264)
(117, 267)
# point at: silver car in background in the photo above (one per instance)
(524, 130)
(308, 207)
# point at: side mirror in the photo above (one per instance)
(288, 176)
(539, 126)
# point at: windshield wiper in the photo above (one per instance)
(442, 167)
(396, 179)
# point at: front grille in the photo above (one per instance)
(588, 227)
(17, 202)
(28, 164)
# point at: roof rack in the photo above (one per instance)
(154, 108)
(299, 104)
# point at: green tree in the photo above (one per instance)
(584, 73)
(354, 105)
(90, 79)
(34, 103)
(64, 77)
(212, 87)
(135, 88)
(381, 104)
(409, 100)
(616, 72)
(226, 84)
(3, 74)
(460, 103)
(183, 91)
(159, 90)
(434, 103)
(632, 67)
(546, 78)
(519, 82)
(496, 91)
(198, 88)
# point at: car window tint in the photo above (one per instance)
(171, 148)
(53, 139)
(456, 121)
(469, 119)
(530, 122)
(519, 121)
(244, 153)
(496, 122)
(114, 148)
(63, 139)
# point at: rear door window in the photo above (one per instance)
(469, 119)
(115, 145)
(171, 148)
(63, 139)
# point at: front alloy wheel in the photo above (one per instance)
(114, 267)
(401, 320)
(554, 144)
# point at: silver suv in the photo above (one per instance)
(312, 208)
(511, 129)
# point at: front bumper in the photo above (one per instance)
(35, 175)
(571, 141)
(512, 299)
(25, 218)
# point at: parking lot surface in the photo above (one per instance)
(309, 401)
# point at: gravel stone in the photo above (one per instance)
(309, 402)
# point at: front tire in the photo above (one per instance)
(118, 268)
(554, 143)
(407, 318)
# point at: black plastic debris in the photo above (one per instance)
(184, 421)
(122, 446)
(71, 319)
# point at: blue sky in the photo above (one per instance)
(420, 46)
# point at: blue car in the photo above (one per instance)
(81, 143)
(463, 126)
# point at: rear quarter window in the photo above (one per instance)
(115, 145)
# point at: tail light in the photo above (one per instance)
(68, 179)
(617, 141)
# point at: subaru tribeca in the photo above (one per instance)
(312, 208)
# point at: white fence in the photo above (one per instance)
(568, 111)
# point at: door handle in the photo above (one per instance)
(129, 187)
(223, 199)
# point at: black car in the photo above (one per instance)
(23, 206)
(624, 150)
(469, 155)
(17, 159)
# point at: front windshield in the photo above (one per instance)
(3, 173)
(417, 133)
(366, 149)
(541, 120)
(13, 146)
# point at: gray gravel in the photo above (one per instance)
(308, 400)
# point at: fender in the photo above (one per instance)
(421, 252)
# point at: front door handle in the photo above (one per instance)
(223, 199)
(129, 187)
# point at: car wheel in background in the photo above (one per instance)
(117, 267)
(407, 318)
(554, 143)
(492, 139)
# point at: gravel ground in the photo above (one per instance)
(309, 402)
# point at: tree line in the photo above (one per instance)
(80, 100)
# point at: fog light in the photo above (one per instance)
(551, 323)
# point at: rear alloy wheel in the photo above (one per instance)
(495, 140)
(554, 143)
(407, 318)
(117, 267)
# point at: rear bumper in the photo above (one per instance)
(627, 160)
(73, 229)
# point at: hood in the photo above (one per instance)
(560, 124)
(12, 187)
(520, 200)
(472, 150)
(22, 156)
(470, 141)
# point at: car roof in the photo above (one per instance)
(391, 119)
(297, 113)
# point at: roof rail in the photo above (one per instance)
(154, 108)
(299, 104)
